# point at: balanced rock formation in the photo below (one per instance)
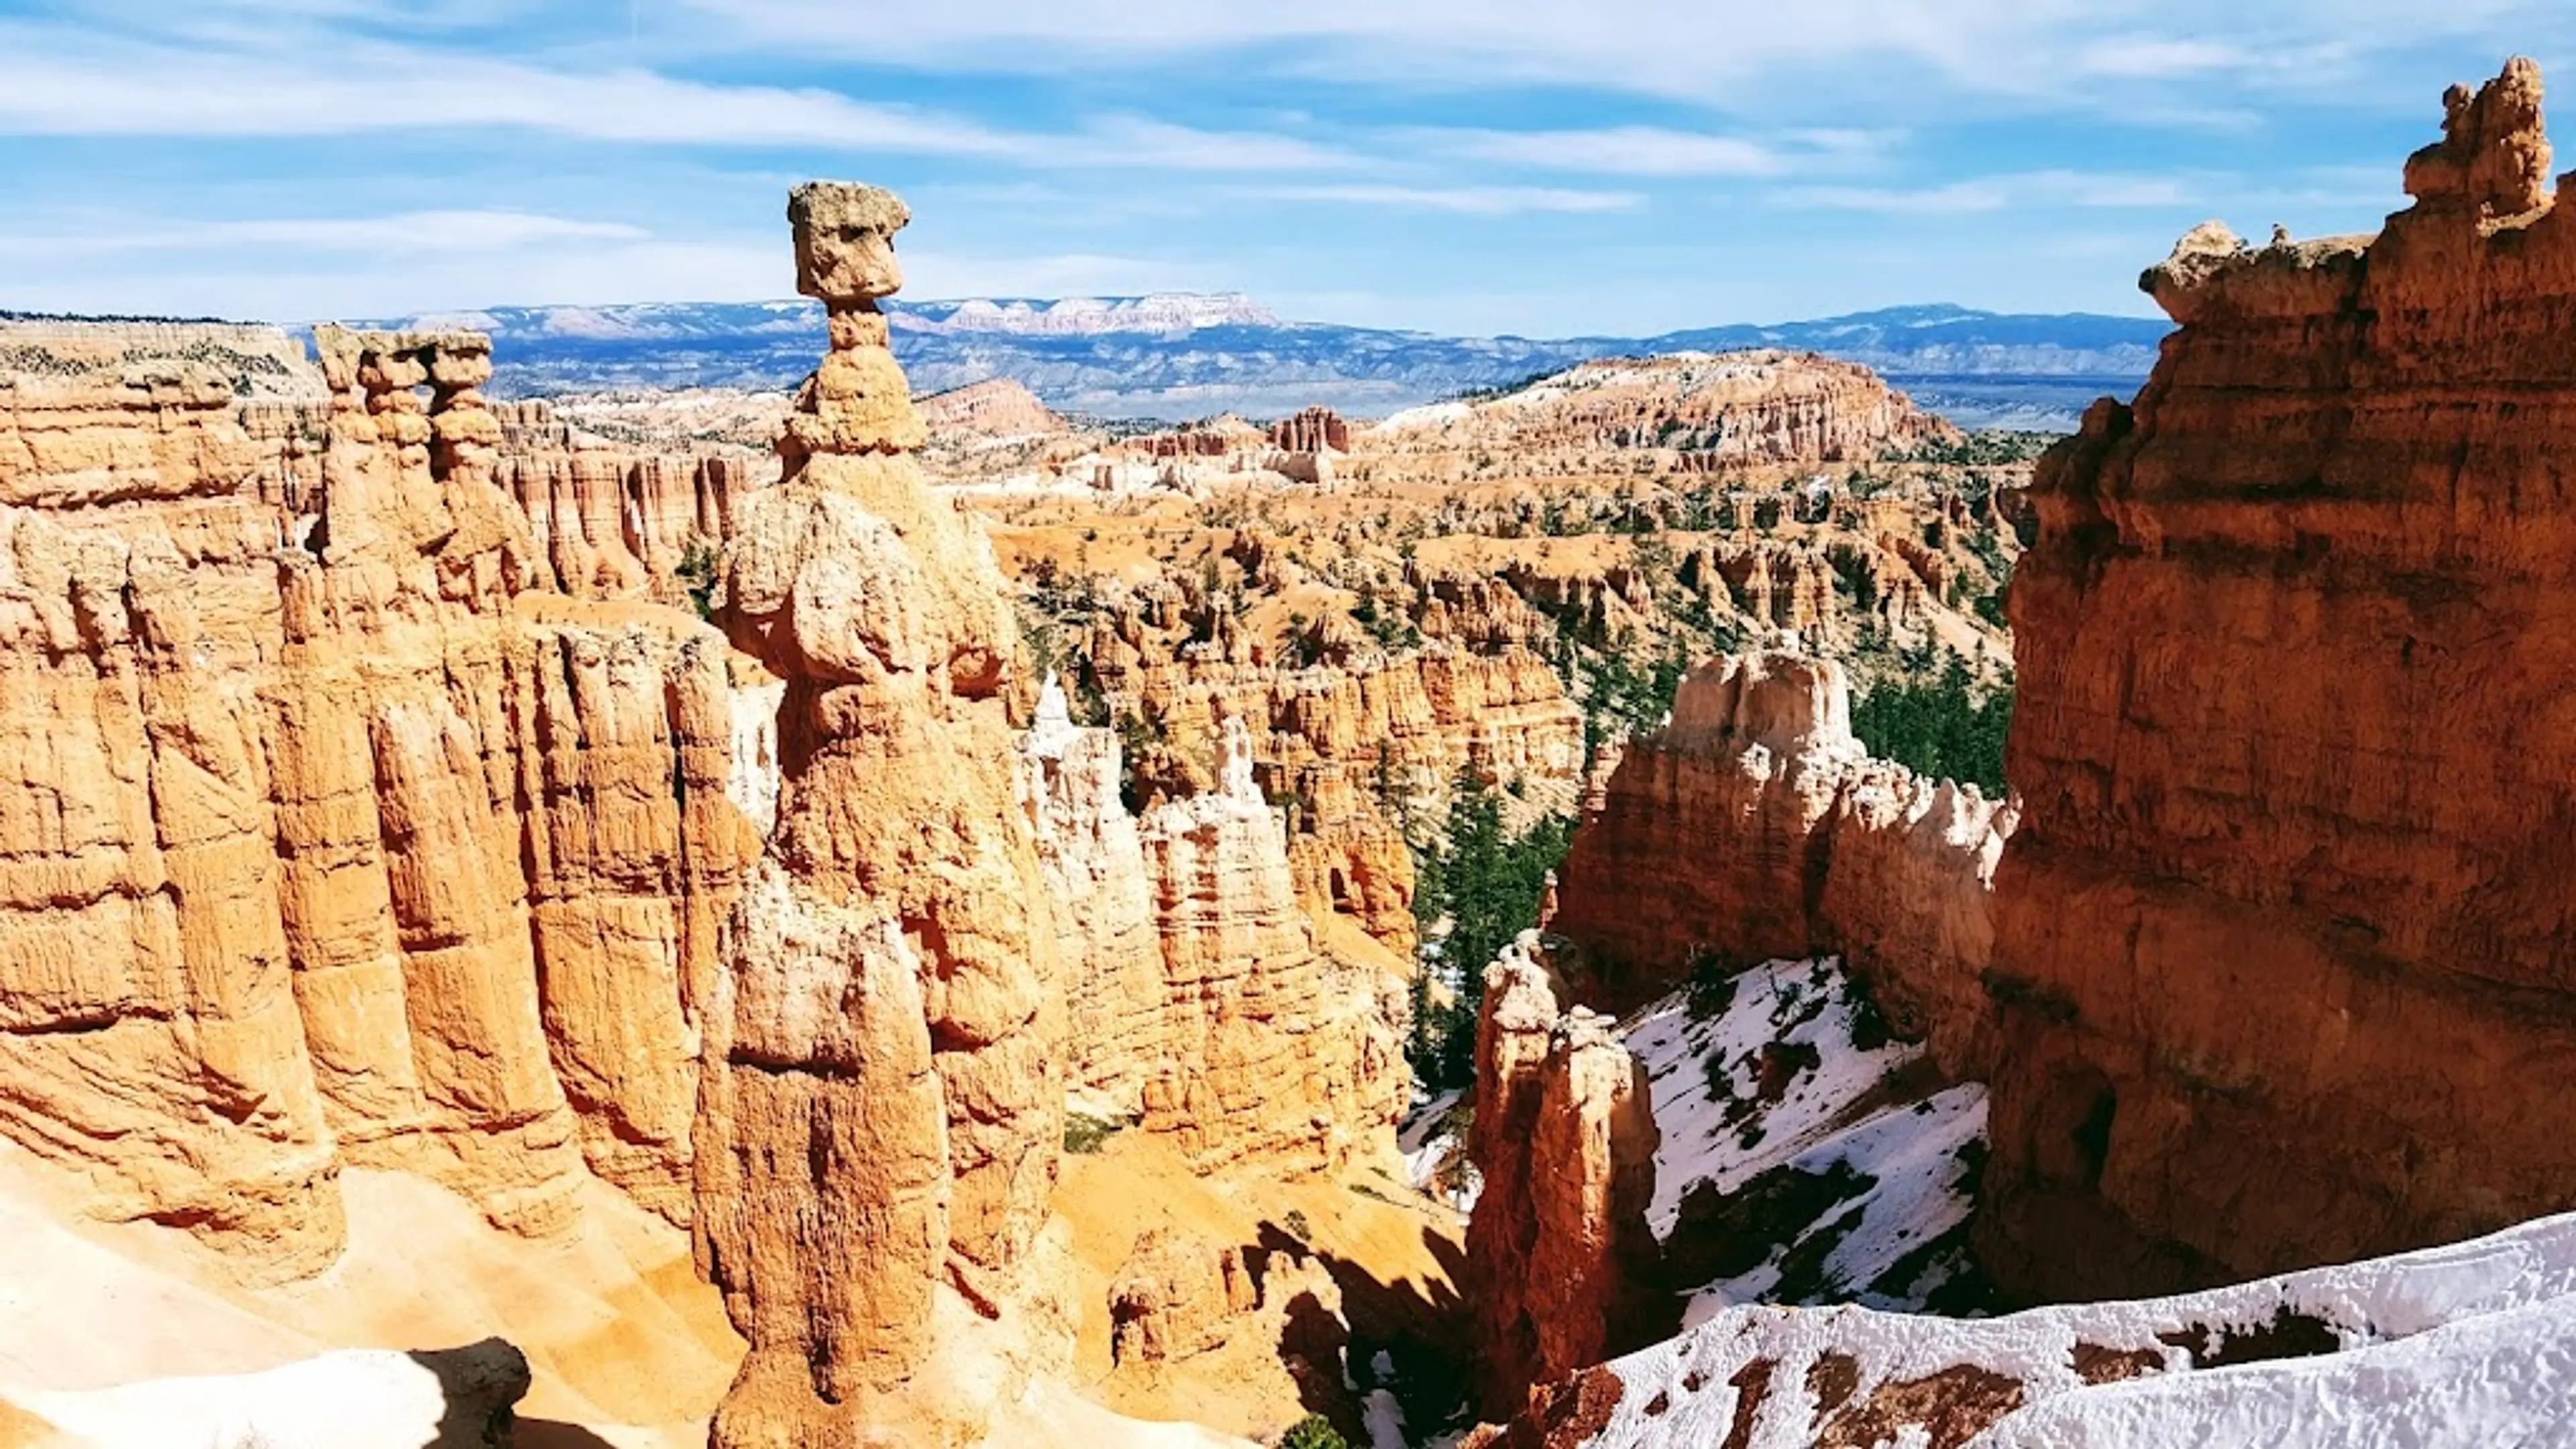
(1558, 1249)
(2286, 922)
(1754, 827)
(330, 836)
(883, 1102)
(1200, 999)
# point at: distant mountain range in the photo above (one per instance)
(1185, 355)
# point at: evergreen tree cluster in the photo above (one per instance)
(1940, 725)
(1486, 883)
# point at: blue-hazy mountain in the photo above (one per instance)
(1179, 355)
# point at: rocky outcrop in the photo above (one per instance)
(1173, 1297)
(1201, 1000)
(995, 408)
(1314, 430)
(1733, 410)
(1558, 1251)
(2286, 922)
(1755, 827)
(883, 1102)
(1353, 744)
(323, 814)
(614, 524)
(1279, 1051)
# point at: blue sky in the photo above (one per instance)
(1545, 167)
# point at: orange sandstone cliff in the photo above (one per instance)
(1201, 1000)
(329, 836)
(2286, 923)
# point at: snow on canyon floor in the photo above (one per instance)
(1807, 1157)
(2460, 1347)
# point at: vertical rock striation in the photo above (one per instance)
(883, 1101)
(2287, 923)
(331, 837)
(1558, 1250)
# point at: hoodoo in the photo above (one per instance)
(2286, 923)
(884, 1104)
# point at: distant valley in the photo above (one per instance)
(1177, 356)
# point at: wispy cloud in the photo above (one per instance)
(1616, 151)
(57, 83)
(414, 232)
(1996, 193)
(1464, 200)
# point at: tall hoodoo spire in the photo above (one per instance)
(883, 1105)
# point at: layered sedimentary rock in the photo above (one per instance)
(1352, 744)
(1312, 431)
(2286, 921)
(1278, 1051)
(999, 407)
(1730, 410)
(883, 1102)
(330, 838)
(1754, 826)
(613, 523)
(1109, 943)
(1558, 1250)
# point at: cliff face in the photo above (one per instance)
(883, 1106)
(328, 839)
(1754, 826)
(1347, 742)
(1558, 1250)
(613, 523)
(2288, 914)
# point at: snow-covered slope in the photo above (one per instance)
(2469, 1345)
(1806, 1156)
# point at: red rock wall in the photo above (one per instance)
(2286, 927)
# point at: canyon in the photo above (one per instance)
(862, 920)
(2255, 972)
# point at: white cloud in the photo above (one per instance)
(1996, 193)
(1614, 151)
(57, 83)
(407, 233)
(1733, 54)
(2156, 56)
(1464, 200)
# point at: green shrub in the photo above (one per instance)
(1084, 1134)
(1313, 1432)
